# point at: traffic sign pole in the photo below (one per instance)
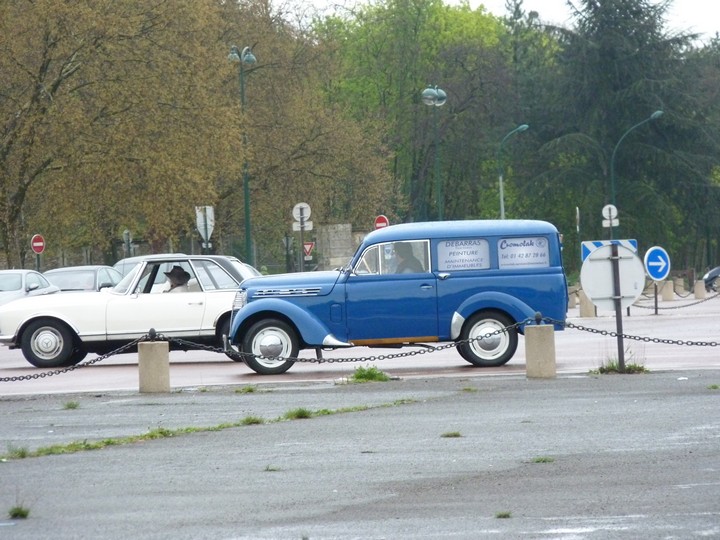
(615, 260)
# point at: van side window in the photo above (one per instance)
(463, 254)
(368, 263)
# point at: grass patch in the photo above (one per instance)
(614, 367)
(503, 514)
(160, 433)
(71, 405)
(246, 390)
(18, 512)
(272, 468)
(368, 374)
(543, 459)
(714, 387)
(301, 413)
(469, 389)
(451, 435)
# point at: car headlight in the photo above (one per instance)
(240, 299)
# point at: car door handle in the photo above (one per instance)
(195, 303)
(426, 287)
(443, 275)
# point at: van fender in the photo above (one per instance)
(311, 329)
(515, 308)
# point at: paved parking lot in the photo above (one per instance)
(579, 456)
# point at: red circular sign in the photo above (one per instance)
(37, 243)
(381, 221)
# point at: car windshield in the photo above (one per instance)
(73, 280)
(10, 282)
(124, 285)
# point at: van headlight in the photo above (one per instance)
(240, 299)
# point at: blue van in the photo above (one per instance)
(410, 284)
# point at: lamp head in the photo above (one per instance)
(656, 115)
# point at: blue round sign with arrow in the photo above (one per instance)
(657, 263)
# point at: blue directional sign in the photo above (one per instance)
(589, 246)
(657, 263)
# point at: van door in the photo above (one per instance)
(385, 307)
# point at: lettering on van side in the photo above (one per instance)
(470, 254)
(523, 252)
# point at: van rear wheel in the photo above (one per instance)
(494, 350)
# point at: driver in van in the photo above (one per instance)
(407, 262)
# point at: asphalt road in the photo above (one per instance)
(439, 452)
(575, 457)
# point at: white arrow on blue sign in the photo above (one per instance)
(657, 263)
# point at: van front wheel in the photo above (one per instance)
(484, 340)
(271, 342)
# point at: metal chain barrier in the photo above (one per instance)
(678, 307)
(80, 365)
(425, 349)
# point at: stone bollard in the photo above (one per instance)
(540, 351)
(668, 290)
(587, 308)
(699, 290)
(679, 285)
(572, 298)
(154, 366)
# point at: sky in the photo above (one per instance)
(695, 16)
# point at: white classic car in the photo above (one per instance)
(61, 329)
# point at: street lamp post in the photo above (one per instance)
(519, 129)
(653, 116)
(245, 57)
(436, 97)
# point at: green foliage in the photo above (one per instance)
(118, 115)
(19, 512)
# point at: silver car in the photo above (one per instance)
(15, 284)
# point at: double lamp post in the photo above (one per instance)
(245, 57)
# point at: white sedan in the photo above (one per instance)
(61, 329)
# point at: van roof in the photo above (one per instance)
(460, 229)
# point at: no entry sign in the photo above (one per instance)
(37, 243)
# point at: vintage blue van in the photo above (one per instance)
(414, 283)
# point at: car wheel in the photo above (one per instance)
(494, 350)
(47, 344)
(273, 340)
(713, 285)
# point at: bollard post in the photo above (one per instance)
(540, 351)
(587, 308)
(668, 290)
(699, 290)
(572, 298)
(154, 366)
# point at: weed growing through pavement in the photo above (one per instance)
(367, 374)
(19, 512)
(503, 514)
(451, 434)
(71, 405)
(543, 459)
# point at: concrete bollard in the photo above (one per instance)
(668, 291)
(540, 351)
(679, 285)
(699, 290)
(587, 308)
(572, 299)
(154, 366)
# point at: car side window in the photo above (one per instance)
(407, 257)
(213, 277)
